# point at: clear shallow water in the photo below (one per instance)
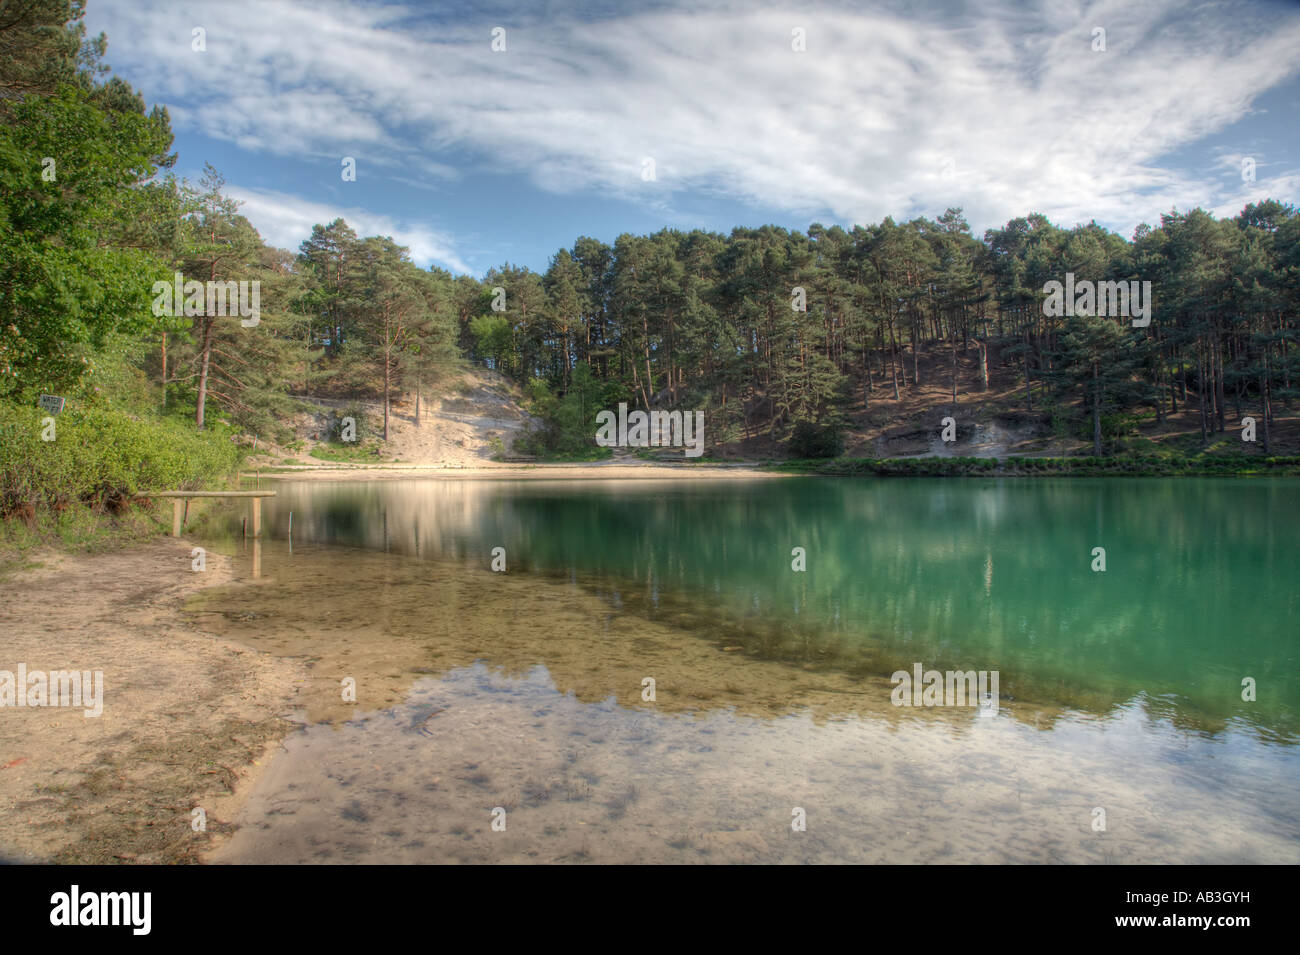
(1120, 690)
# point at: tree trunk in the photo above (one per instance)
(1029, 395)
(916, 359)
(870, 386)
(984, 363)
(1219, 388)
(209, 326)
(1263, 395)
(1200, 387)
(1096, 410)
(893, 356)
(954, 370)
(164, 370)
(1173, 391)
(387, 380)
(1158, 393)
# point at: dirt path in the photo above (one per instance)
(188, 718)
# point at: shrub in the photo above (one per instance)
(812, 440)
(359, 417)
(99, 456)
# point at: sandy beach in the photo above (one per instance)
(612, 471)
(188, 718)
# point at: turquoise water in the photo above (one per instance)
(1199, 591)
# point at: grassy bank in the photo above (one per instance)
(70, 479)
(1128, 466)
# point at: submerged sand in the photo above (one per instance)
(483, 697)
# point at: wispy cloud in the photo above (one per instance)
(1003, 109)
(285, 220)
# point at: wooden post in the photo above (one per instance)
(257, 518)
(176, 516)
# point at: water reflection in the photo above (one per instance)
(1198, 595)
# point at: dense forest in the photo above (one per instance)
(771, 332)
(769, 329)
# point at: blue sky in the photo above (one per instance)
(474, 157)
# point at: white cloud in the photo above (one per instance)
(859, 125)
(285, 221)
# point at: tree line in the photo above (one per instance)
(769, 329)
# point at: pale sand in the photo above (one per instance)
(530, 472)
(188, 718)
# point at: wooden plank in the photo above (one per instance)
(257, 518)
(176, 517)
(206, 494)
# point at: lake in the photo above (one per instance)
(507, 715)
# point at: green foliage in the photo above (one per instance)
(812, 440)
(1143, 465)
(492, 337)
(568, 430)
(367, 451)
(63, 290)
(101, 456)
(363, 429)
(41, 47)
(75, 528)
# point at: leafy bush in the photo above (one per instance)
(361, 421)
(568, 422)
(99, 456)
(812, 440)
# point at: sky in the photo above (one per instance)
(603, 118)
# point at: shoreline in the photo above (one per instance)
(920, 466)
(580, 471)
(189, 719)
